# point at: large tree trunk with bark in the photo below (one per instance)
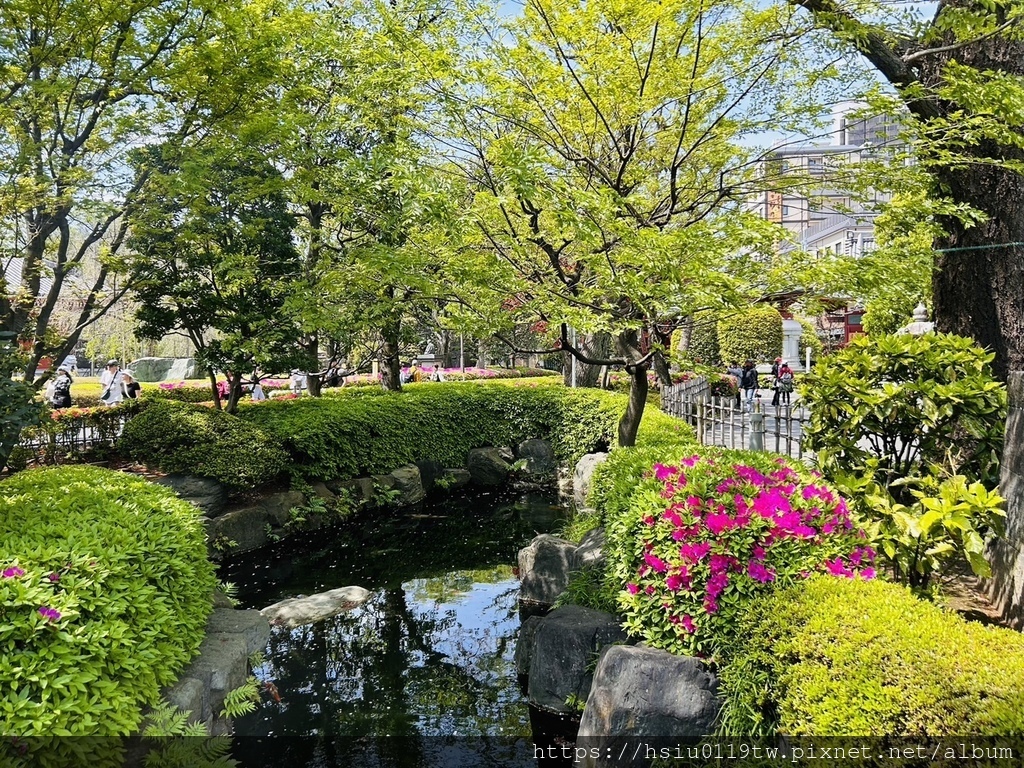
(979, 292)
(628, 345)
(391, 361)
(596, 345)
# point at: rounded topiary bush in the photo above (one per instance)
(835, 657)
(105, 588)
(704, 345)
(704, 534)
(754, 334)
(176, 437)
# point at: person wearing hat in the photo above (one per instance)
(131, 386)
(784, 384)
(60, 397)
(112, 383)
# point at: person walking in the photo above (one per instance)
(784, 382)
(749, 383)
(112, 383)
(60, 396)
(131, 386)
(775, 381)
(736, 372)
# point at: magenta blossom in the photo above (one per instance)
(690, 461)
(688, 624)
(13, 572)
(751, 475)
(50, 614)
(758, 572)
(664, 472)
(692, 553)
(632, 588)
(717, 523)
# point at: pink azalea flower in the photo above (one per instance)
(50, 614)
(688, 624)
(771, 502)
(758, 552)
(675, 582)
(13, 572)
(717, 523)
(710, 606)
(649, 589)
(867, 573)
(722, 563)
(758, 572)
(838, 568)
(632, 588)
(690, 461)
(751, 475)
(663, 472)
(672, 516)
(693, 553)
(659, 565)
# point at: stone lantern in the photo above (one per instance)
(920, 324)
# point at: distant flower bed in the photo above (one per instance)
(455, 374)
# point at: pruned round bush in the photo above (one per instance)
(754, 334)
(835, 657)
(705, 533)
(177, 437)
(704, 344)
(105, 588)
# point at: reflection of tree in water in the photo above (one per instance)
(380, 685)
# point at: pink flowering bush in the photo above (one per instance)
(705, 534)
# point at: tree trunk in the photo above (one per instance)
(391, 363)
(980, 292)
(213, 386)
(234, 392)
(629, 347)
(593, 345)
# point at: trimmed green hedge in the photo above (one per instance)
(754, 334)
(105, 588)
(196, 440)
(840, 657)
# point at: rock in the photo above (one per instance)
(409, 485)
(583, 474)
(279, 505)
(430, 470)
(239, 530)
(507, 454)
(524, 644)
(190, 695)
(644, 695)
(487, 467)
(455, 478)
(382, 484)
(205, 492)
(544, 568)
(590, 552)
(358, 490)
(539, 456)
(323, 492)
(252, 626)
(296, 611)
(565, 644)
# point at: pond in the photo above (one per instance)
(422, 674)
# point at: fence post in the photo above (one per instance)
(757, 431)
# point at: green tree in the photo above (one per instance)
(81, 84)
(18, 408)
(961, 77)
(214, 260)
(753, 334)
(611, 170)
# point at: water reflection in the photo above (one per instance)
(422, 674)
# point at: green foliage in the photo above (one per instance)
(910, 425)
(342, 437)
(704, 534)
(242, 700)
(754, 334)
(589, 587)
(841, 657)
(176, 437)
(18, 408)
(187, 394)
(104, 596)
(704, 345)
(58, 433)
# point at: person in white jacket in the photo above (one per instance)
(112, 384)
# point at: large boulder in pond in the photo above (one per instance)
(544, 568)
(539, 457)
(205, 492)
(565, 644)
(487, 467)
(297, 611)
(583, 475)
(524, 644)
(649, 696)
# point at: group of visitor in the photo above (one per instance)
(748, 382)
(116, 385)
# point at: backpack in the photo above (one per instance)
(749, 379)
(61, 388)
(786, 382)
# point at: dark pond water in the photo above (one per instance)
(421, 675)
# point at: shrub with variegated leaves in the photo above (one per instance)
(707, 533)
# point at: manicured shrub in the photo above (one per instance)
(809, 339)
(913, 427)
(838, 657)
(18, 408)
(704, 344)
(704, 534)
(192, 439)
(754, 334)
(345, 436)
(105, 588)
